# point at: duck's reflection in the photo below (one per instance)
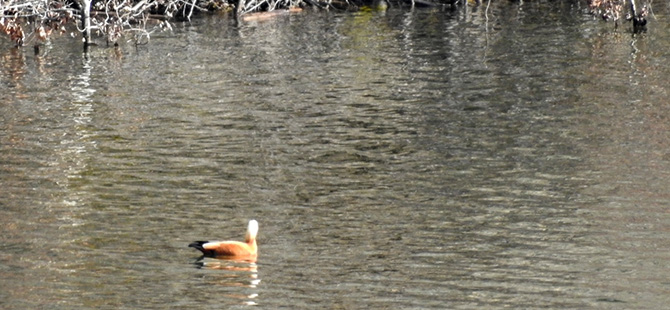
(234, 274)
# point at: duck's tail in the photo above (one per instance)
(198, 245)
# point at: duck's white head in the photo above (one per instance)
(252, 230)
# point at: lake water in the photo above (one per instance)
(411, 159)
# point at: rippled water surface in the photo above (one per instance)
(420, 159)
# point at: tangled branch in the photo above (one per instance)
(616, 9)
(41, 18)
(34, 21)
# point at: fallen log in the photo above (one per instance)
(259, 16)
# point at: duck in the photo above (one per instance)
(231, 249)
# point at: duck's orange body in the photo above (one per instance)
(231, 249)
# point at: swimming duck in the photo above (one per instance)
(231, 249)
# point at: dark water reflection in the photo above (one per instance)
(420, 159)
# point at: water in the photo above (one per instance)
(408, 159)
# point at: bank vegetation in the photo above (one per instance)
(33, 22)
